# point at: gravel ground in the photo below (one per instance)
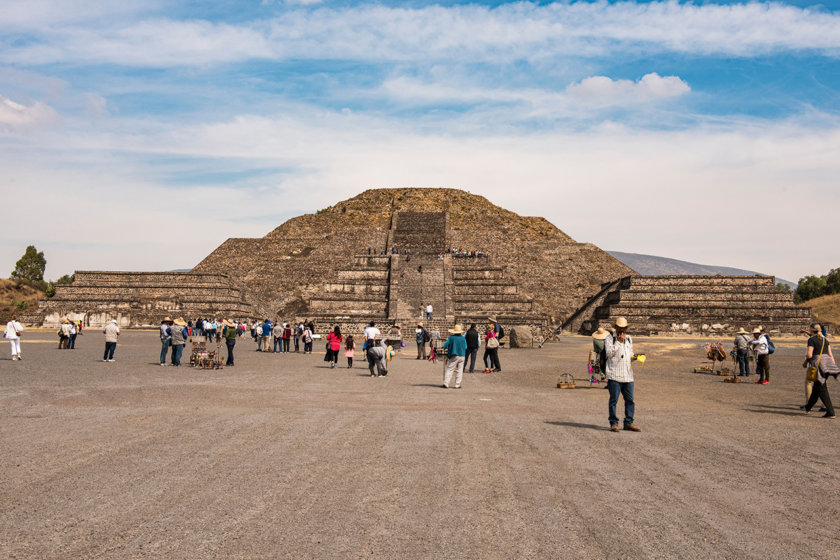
(282, 457)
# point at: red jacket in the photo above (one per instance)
(335, 341)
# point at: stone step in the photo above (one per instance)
(703, 281)
(484, 289)
(366, 274)
(643, 298)
(349, 307)
(491, 307)
(356, 288)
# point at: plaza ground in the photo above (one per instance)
(282, 457)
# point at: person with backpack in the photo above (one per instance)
(422, 339)
(618, 348)
(760, 345)
(307, 339)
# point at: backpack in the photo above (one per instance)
(426, 337)
(501, 333)
(771, 348)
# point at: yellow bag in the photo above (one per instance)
(811, 374)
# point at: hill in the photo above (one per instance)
(650, 265)
(16, 297)
(826, 309)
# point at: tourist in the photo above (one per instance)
(297, 334)
(456, 350)
(473, 344)
(71, 344)
(266, 335)
(742, 346)
(165, 339)
(229, 332)
(820, 357)
(13, 332)
(277, 333)
(79, 327)
(429, 310)
(349, 350)
(761, 348)
(307, 340)
(371, 333)
(395, 336)
(287, 336)
(598, 348)
(178, 332)
(378, 355)
(63, 334)
(112, 333)
(421, 338)
(333, 346)
(619, 350)
(256, 334)
(491, 352)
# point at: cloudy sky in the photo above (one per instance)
(139, 135)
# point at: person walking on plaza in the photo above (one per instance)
(742, 348)
(421, 338)
(178, 332)
(371, 334)
(71, 344)
(229, 333)
(760, 346)
(165, 339)
(64, 334)
(821, 359)
(13, 332)
(333, 346)
(349, 350)
(456, 351)
(277, 333)
(112, 333)
(298, 332)
(619, 350)
(473, 344)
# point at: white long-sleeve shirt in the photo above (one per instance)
(619, 356)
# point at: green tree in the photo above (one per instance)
(783, 287)
(30, 268)
(810, 287)
(832, 281)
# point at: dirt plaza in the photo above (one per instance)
(282, 457)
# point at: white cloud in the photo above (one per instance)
(466, 33)
(15, 116)
(601, 90)
(96, 105)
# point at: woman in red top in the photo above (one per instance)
(334, 342)
(491, 355)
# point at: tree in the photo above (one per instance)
(832, 281)
(810, 287)
(30, 268)
(783, 287)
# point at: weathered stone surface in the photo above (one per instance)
(521, 337)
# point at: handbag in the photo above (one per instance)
(812, 372)
(492, 342)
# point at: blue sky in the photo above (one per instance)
(703, 131)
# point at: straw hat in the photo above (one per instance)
(228, 323)
(113, 320)
(757, 330)
(492, 319)
(457, 330)
(600, 334)
(166, 320)
(742, 331)
(180, 322)
(66, 320)
(621, 323)
(389, 353)
(420, 325)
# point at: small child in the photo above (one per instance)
(349, 350)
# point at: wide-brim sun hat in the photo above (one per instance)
(757, 330)
(600, 334)
(742, 331)
(180, 322)
(65, 321)
(457, 330)
(228, 323)
(389, 353)
(491, 319)
(621, 323)
(420, 325)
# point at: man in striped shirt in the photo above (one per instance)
(619, 350)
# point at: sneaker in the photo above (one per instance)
(457, 386)
(765, 382)
(759, 382)
(162, 365)
(827, 415)
(14, 358)
(113, 360)
(20, 357)
(444, 386)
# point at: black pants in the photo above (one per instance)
(494, 357)
(764, 364)
(820, 391)
(286, 344)
(230, 344)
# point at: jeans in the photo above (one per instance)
(72, 343)
(471, 355)
(109, 350)
(177, 350)
(428, 315)
(231, 342)
(297, 343)
(307, 347)
(164, 348)
(278, 342)
(743, 362)
(626, 391)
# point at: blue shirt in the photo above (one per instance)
(266, 329)
(456, 345)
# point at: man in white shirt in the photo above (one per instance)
(619, 350)
(371, 334)
(429, 312)
(762, 363)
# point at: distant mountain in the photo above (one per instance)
(181, 270)
(650, 265)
